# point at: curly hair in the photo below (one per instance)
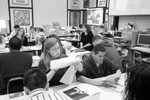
(137, 83)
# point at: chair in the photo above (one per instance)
(14, 84)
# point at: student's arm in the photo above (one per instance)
(96, 81)
(87, 45)
(51, 74)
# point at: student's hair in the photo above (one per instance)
(138, 83)
(88, 28)
(32, 27)
(97, 48)
(15, 43)
(23, 35)
(96, 37)
(80, 25)
(51, 41)
(34, 79)
(16, 26)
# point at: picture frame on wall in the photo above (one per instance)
(86, 4)
(102, 3)
(21, 17)
(92, 3)
(95, 16)
(75, 4)
(20, 3)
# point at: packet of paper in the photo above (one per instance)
(64, 62)
(81, 91)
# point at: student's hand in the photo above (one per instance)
(79, 67)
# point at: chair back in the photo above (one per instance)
(15, 84)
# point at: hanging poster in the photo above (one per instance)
(95, 16)
(20, 3)
(92, 3)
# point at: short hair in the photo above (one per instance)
(96, 37)
(16, 26)
(15, 43)
(31, 27)
(98, 47)
(35, 78)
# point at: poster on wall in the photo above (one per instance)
(75, 4)
(21, 17)
(95, 16)
(92, 3)
(20, 3)
(102, 3)
(86, 4)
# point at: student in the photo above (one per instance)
(52, 50)
(138, 83)
(13, 33)
(86, 38)
(21, 35)
(111, 51)
(96, 66)
(14, 62)
(36, 85)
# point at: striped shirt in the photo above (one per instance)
(41, 94)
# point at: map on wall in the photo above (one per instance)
(95, 16)
(22, 17)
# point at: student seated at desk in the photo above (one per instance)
(96, 66)
(36, 85)
(86, 38)
(53, 50)
(138, 83)
(111, 51)
(21, 35)
(13, 62)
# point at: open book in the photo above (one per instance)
(81, 91)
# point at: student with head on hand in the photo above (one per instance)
(96, 66)
(36, 85)
(52, 51)
(137, 85)
(13, 33)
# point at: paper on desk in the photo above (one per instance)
(69, 77)
(63, 62)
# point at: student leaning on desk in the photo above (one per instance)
(97, 69)
(52, 50)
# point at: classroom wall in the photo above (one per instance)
(140, 22)
(48, 11)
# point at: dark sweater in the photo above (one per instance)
(92, 71)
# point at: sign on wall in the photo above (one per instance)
(20, 3)
(75, 4)
(102, 3)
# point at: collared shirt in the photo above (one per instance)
(42, 94)
(90, 69)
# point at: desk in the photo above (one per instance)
(140, 49)
(24, 49)
(105, 94)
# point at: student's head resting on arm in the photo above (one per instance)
(35, 79)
